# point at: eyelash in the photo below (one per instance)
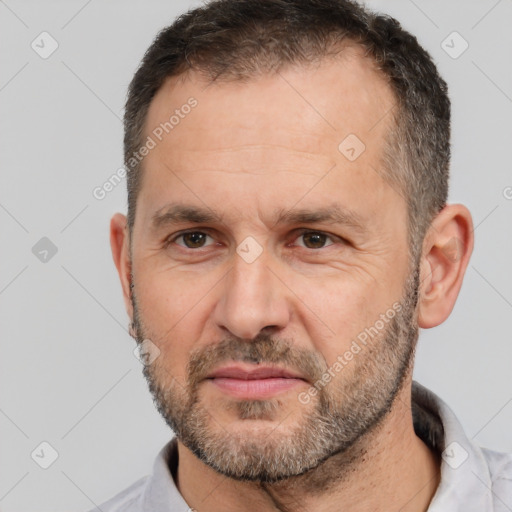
(299, 233)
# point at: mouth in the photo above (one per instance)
(253, 383)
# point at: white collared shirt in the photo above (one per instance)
(473, 479)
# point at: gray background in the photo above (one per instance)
(68, 375)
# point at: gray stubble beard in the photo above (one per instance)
(334, 433)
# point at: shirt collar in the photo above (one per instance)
(465, 479)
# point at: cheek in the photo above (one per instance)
(334, 312)
(169, 296)
(172, 312)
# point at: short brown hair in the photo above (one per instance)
(239, 39)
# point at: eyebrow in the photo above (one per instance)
(334, 214)
(176, 213)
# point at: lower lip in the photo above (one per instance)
(257, 388)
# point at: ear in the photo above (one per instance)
(447, 248)
(120, 245)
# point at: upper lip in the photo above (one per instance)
(247, 373)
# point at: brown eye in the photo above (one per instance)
(193, 240)
(315, 240)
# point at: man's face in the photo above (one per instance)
(260, 253)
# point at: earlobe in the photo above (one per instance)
(120, 246)
(446, 252)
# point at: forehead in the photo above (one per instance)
(343, 94)
(277, 132)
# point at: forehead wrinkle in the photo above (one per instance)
(256, 159)
(255, 173)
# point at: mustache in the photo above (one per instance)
(262, 349)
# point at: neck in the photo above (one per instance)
(389, 468)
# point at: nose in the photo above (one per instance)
(252, 299)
